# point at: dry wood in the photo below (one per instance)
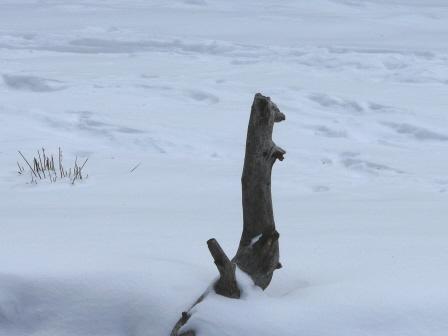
(258, 251)
(226, 284)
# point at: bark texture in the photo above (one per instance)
(258, 251)
(226, 284)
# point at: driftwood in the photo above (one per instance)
(226, 284)
(258, 251)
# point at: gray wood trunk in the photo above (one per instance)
(258, 251)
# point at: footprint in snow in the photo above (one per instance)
(336, 103)
(352, 161)
(320, 188)
(202, 96)
(328, 132)
(416, 132)
(32, 83)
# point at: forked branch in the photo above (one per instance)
(258, 251)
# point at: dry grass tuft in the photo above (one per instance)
(43, 167)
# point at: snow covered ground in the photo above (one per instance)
(360, 200)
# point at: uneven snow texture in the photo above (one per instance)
(360, 200)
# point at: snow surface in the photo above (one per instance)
(360, 201)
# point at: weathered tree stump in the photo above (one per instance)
(258, 251)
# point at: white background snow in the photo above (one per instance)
(360, 200)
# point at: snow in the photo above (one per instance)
(360, 200)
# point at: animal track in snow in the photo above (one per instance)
(352, 161)
(320, 188)
(32, 83)
(329, 132)
(416, 132)
(203, 96)
(336, 103)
